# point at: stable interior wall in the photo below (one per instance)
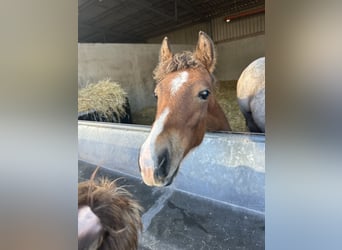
(237, 43)
(234, 56)
(131, 65)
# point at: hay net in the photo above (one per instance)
(104, 97)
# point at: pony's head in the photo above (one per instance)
(186, 108)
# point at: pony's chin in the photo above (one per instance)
(158, 183)
(164, 182)
(168, 180)
(150, 180)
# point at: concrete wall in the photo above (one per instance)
(234, 56)
(131, 65)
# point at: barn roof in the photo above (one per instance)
(134, 21)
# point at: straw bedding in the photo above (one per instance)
(225, 93)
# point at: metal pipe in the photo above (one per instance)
(244, 14)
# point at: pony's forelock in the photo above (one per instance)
(180, 61)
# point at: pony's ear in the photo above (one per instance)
(165, 51)
(205, 51)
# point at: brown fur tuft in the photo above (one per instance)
(179, 61)
(119, 214)
(203, 56)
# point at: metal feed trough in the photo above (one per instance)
(216, 201)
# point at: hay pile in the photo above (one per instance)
(226, 96)
(105, 97)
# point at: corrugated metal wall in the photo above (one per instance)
(218, 29)
(187, 35)
(240, 28)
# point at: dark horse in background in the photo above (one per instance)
(186, 109)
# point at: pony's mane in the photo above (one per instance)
(179, 61)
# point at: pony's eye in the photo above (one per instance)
(204, 94)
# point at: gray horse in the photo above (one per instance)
(251, 95)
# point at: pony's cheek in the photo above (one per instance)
(193, 121)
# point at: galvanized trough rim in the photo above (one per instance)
(235, 176)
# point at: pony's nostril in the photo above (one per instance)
(162, 169)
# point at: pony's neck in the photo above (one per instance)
(216, 119)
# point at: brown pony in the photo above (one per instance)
(108, 217)
(186, 109)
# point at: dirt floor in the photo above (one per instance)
(226, 96)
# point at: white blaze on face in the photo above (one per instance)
(148, 148)
(178, 81)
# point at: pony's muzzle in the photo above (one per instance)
(155, 168)
(162, 167)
